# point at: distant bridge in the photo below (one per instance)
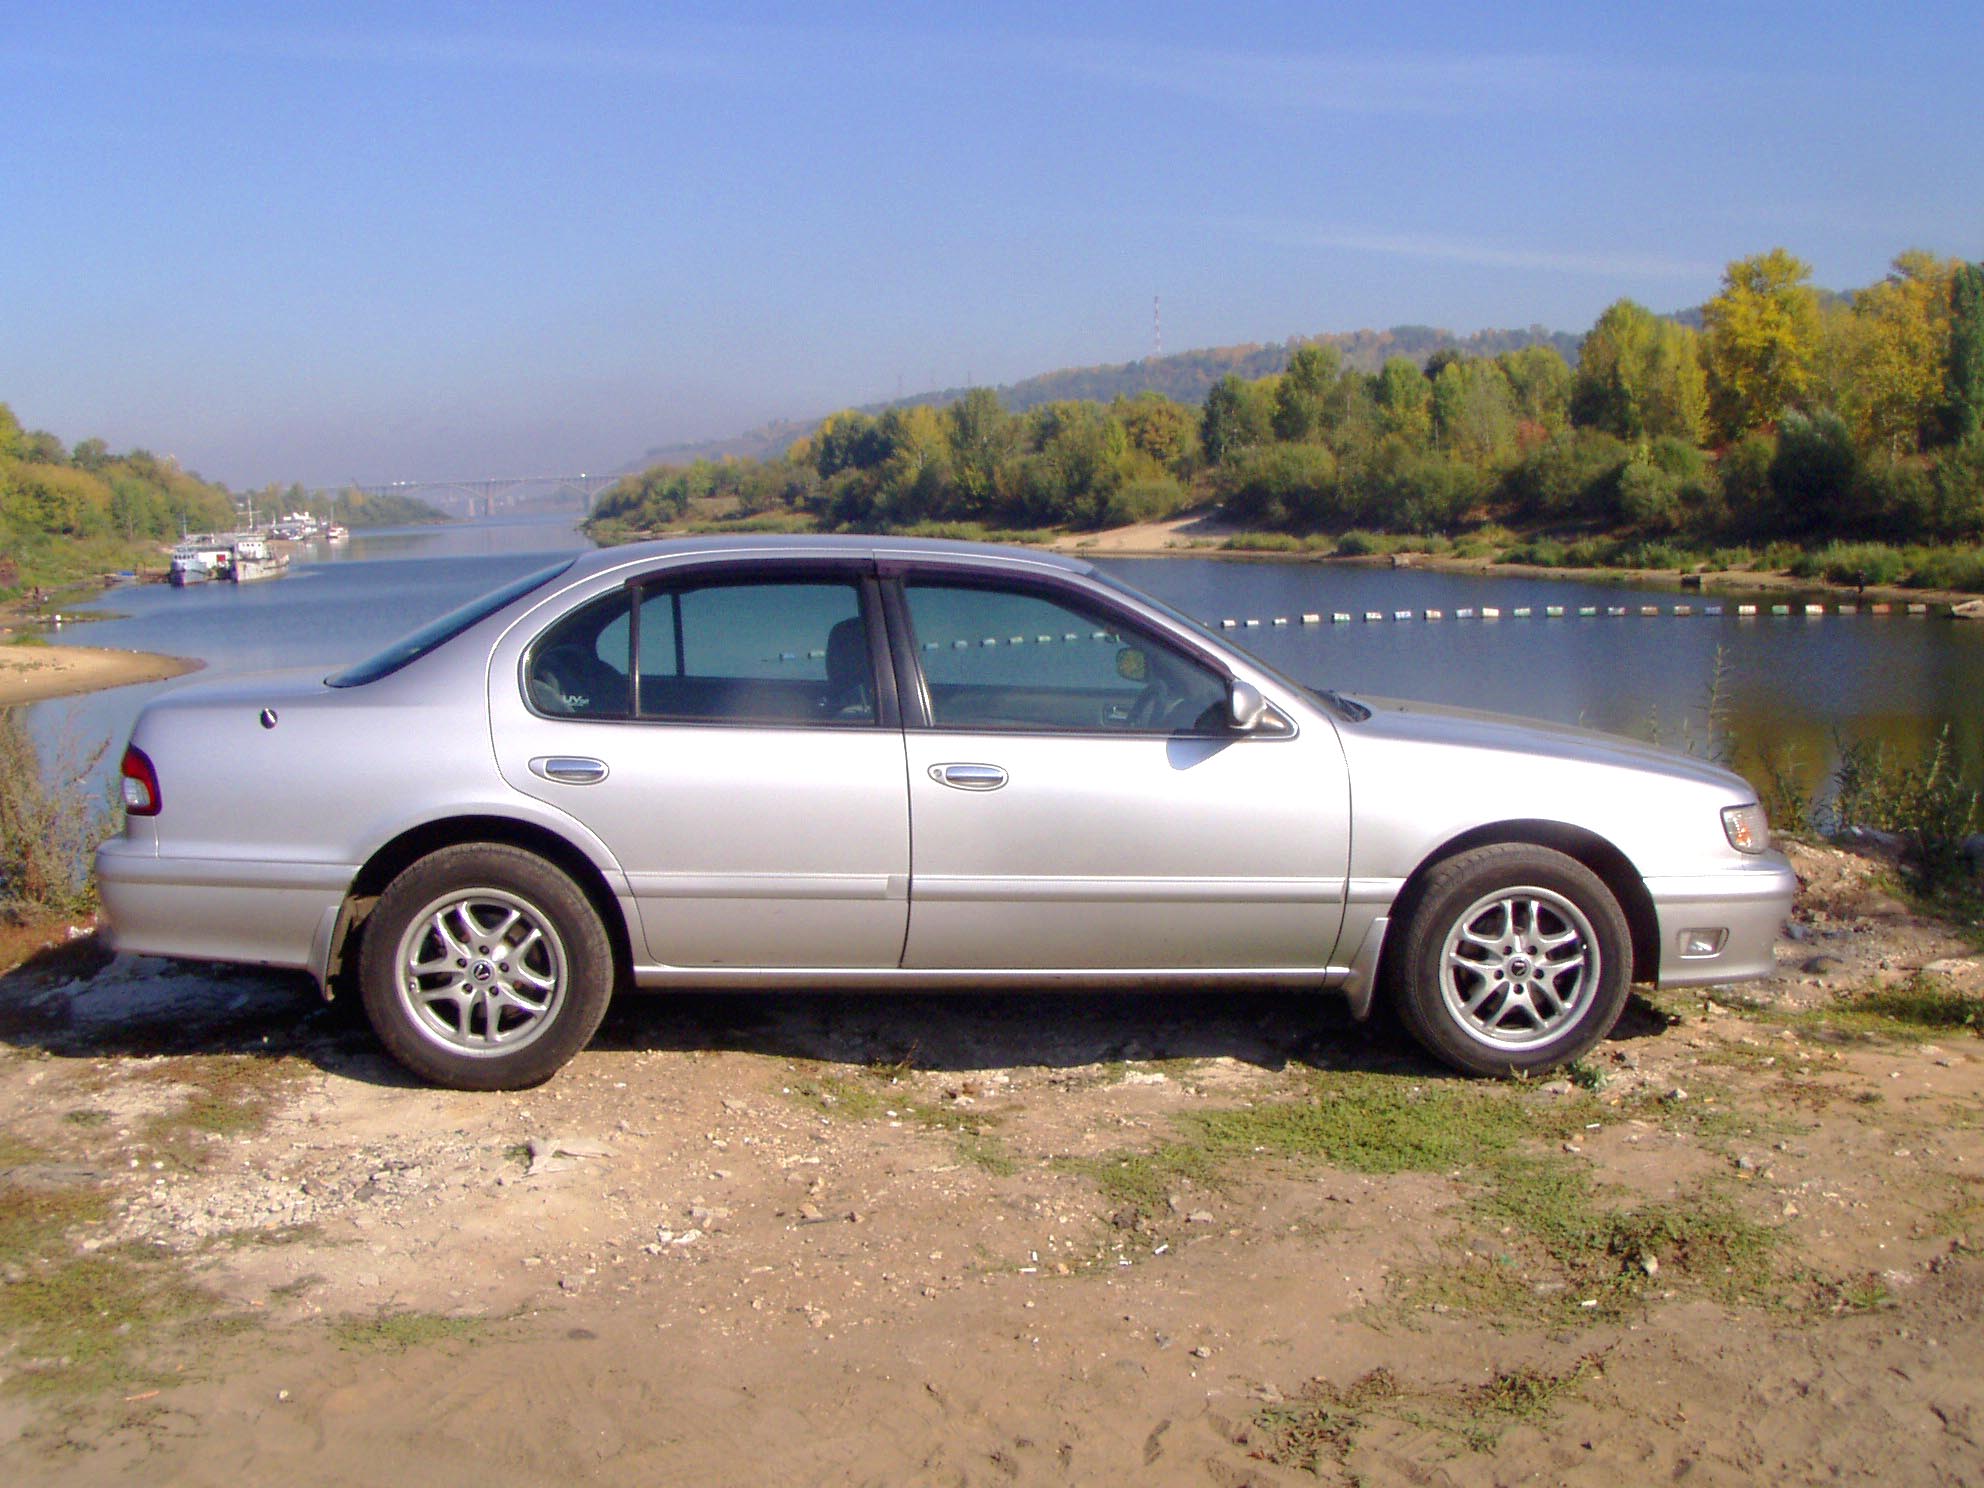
(481, 497)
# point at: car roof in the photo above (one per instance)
(816, 545)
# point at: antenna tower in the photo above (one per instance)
(1157, 325)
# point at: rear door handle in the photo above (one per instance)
(569, 769)
(969, 777)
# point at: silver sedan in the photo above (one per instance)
(840, 762)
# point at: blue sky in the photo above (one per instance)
(403, 241)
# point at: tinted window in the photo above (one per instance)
(439, 632)
(997, 658)
(764, 651)
(579, 667)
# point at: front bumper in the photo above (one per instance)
(1741, 908)
(217, 909)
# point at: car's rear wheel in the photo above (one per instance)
(1515, 958)
(485, 968)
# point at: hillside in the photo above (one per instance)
(1185, 376)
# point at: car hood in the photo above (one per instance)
(1434, 723)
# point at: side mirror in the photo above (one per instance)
(1245, 707)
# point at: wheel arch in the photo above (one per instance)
(1612, 866)
(410, 846)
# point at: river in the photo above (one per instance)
(1789, 686)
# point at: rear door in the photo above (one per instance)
(1079, 801)
(726, 732)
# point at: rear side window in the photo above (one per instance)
(756, 651)
(773, 651)
(411, 648)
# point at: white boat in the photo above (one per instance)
(253, 560)
(334, 534)
(197, 559)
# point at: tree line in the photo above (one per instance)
(69, 512)
(1790, 413)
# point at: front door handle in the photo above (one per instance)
(569, 769)
(969, 777)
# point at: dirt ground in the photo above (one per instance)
(1210, 1239)
(32, 674)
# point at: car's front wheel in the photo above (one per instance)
(1514, 958)
(485, 968)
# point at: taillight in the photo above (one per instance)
(141, 796)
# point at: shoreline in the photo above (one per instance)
(34, 674)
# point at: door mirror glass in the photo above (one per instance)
(1245, 707)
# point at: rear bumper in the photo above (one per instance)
(1743, 908)
(215, 909)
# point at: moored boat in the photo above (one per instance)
(253, 560)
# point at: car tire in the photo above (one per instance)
(484, 967)
(1515, 958)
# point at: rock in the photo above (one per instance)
(1676, 1094)
(571, 1283)
(1202, 1352)
(1823, 963)
(1950, 966)
(1970, 609)
(1199, 1216)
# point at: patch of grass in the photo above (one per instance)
(274, 1235)
(397, 1331)
(1560, 1229)
(983, 1150)
(1919, 1010)
(1362, 1121)
(17, 1152)
(233, 1095)
(84, 1323)
(837, 1095)
(87, 1118)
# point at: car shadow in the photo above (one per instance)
(76, 1000)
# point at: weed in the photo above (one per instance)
(1925, 800)
(86, 1118)
(48, 830)
(1321, 1427)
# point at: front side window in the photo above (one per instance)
(1019, 659)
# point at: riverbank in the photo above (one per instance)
(1203, 535)
(33, 674)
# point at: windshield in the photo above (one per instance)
(434, 633)
(1200, 628)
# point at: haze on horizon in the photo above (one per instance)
(372, 242)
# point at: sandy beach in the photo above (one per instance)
(30, 674)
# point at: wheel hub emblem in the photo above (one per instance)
(1519, 966)
(483, 971)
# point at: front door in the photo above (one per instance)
(1079, 802)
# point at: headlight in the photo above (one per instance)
(1746, 828)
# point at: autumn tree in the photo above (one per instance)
(1405, 401)
(981, 435)
(1640, 376)
(1238, 416)
(1762, 332)
(1308, 393)
(1473, 410)
(1963, 371)
(1899, 358)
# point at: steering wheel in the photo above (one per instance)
(1153, 703)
